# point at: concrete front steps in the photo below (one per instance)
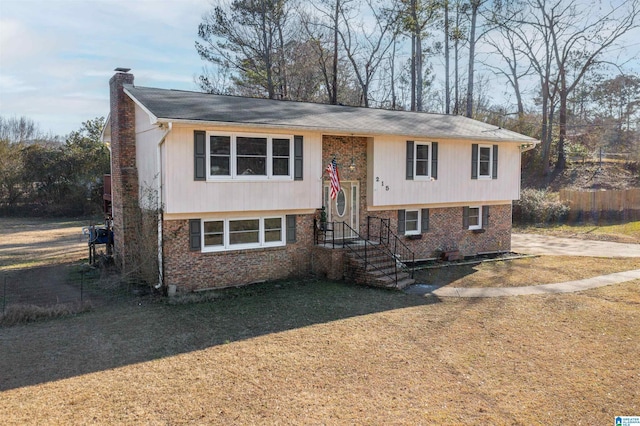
(380, 270)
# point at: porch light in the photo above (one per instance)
(352, 166)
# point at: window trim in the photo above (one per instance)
(227, 246)
(418, 229)
(416, 176)
(488, 176)
(479, 225)
(233, 157)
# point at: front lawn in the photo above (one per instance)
(316, 352)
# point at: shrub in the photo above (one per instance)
(538, 206)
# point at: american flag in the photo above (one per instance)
(332, 169)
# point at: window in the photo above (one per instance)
(251, 156)
(484, 161)
(231, 234)
(412, 222)
(244, 156)
(214, 233)
(422, 160)
(475, 218)
(220, 155)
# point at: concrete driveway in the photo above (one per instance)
(543, 244)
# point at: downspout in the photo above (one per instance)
(160, 206)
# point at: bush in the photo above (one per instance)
(538, 206)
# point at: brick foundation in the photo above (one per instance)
(446, 232)
(193, 270)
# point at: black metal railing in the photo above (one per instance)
(380, 240)
(379, 230)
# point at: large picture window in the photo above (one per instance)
(232, 234)
(244, 156)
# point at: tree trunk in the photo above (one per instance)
(414, 26)
(472, 53)
(562, 122)
(418, 71)
(447, 94)
(334, 80)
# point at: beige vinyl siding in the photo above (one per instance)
(184, 195)
(454, 184)
(147, 138)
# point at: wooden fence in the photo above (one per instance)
(622, 201)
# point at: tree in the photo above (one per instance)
(578, 44)
(508, 49)
(250, 37)
(416, 17)
(367, 51)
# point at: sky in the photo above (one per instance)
(57, 56)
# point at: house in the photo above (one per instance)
(241, 182)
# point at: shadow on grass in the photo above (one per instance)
(142, 330)
(440, 277)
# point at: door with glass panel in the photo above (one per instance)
(344, 208)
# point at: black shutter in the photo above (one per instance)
(401, 225)
(297, 158)
(194, 235)
(409, 160)
(465, 217)
(434, 160)
(474, 161)
(495, 162)
(485, 217)
(199, 155)
(424, 226)
(291, 228)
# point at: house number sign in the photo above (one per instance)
(386, 187)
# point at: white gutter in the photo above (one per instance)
(528, 146)
(159, 207)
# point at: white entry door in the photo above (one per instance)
(344, 208)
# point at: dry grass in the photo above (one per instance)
(315, 352)
(622, 233)
(38, 242)
(525, 272)
(560, 359)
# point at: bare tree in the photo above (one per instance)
(507, 49)
(579, 43)
(367, 50)
(249, 37)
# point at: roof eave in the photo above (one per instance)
(333, 131)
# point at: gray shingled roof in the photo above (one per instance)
(174, 105)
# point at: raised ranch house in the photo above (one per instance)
(242, 184)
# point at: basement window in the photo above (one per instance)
(242, 233)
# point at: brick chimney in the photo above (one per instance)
(124, 173)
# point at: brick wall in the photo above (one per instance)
(124, 174)
(446, 232)
(192, 270)
(344, 148)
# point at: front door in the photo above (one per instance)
(343, 209)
